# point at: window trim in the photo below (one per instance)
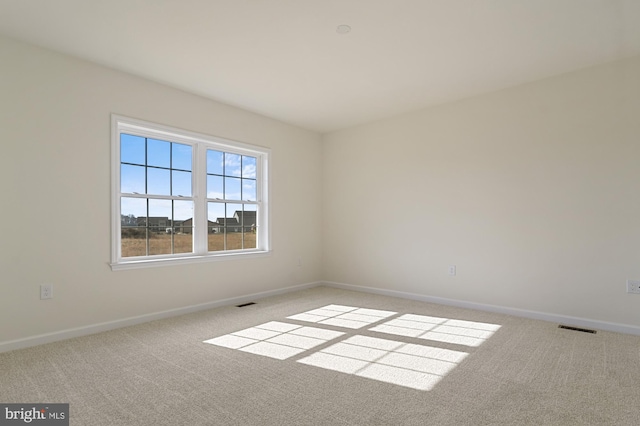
(200, 143)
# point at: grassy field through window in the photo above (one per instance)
(183, 243)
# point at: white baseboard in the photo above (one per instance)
(544, 316)
(111, 325)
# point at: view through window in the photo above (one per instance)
(179, 195)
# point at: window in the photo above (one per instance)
(182, 197)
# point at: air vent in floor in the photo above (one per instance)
(584, 330)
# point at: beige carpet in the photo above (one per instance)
(331, 357)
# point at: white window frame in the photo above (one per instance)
(200, 144)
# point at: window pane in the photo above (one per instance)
(215, 162)
(158, 222)
(159, 214)
(181, 183)
(232, 188)
(232, 165)
(248, 167)
(182, 243)
(132, 179)
(133, 235)
(215, 211)
(159, 243)
(182, 226)
(183, 211)
(133, 241)
(181, 156)
(215, 187)
(234, 227)
(158, 181)
(158, 153)
(132, 149)
(133, 208)
(216, 226)
(247, 217)
(249, 226)
(249, 190)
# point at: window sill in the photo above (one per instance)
(152, 263)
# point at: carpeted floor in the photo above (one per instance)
(332, 357)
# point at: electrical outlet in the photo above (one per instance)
(46, 291)
(633, 286)
(452, 270)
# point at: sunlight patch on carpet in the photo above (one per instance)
(412, 365)
(404, 364)
(275, 339)
(467, 333)
(343, 316)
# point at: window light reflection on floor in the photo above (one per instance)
(467, 333)
(275, 339)
(411, 365)
(405, 364)
(343, 316)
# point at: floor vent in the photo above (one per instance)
(584, 330)
(245, 304)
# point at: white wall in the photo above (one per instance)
(533, 192)
(55, 191)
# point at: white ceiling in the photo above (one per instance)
(284, 58)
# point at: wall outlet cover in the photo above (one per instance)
(633, 286)
(46, 291)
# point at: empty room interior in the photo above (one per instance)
(355, 212)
